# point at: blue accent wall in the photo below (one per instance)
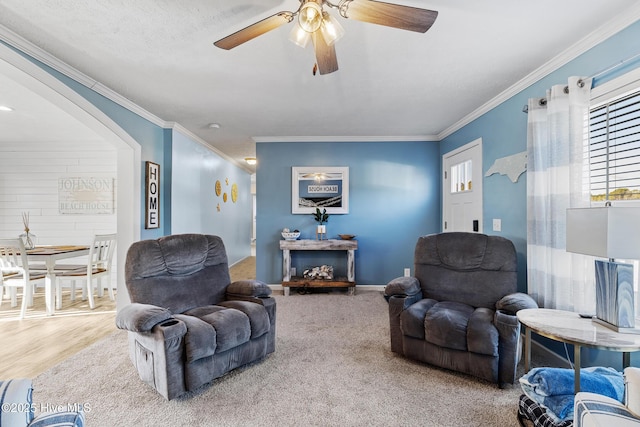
(394, 197)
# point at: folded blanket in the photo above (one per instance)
(553, 388)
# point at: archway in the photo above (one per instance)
(28, 74)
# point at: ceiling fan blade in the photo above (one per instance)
(390, 15)
(255, 30)
(325, 55)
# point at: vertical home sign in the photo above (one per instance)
(152, 196)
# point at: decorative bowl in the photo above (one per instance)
(290, 235)
(346, 236)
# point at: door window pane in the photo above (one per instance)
(461, 177)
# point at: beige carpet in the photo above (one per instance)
(332, 367)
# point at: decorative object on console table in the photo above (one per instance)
(290, 235)
(321, 218)
(609, 232)
(323, 272)
(27, 237)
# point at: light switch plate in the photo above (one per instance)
(497, 224)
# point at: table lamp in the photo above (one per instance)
(609, 232)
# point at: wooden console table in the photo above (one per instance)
(318, 245)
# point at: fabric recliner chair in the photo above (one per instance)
(458, 310)
(187, 323)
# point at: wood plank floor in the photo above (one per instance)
(34, 344)
(38, 342)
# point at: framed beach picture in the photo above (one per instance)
(319, 187)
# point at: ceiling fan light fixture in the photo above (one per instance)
(331, 29)
(324, 31)
(310, 16)
(299, 36)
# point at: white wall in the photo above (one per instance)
(29, 174)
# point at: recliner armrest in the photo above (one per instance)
(242, 289)
(400, 293)
(403, 287)
(137, 317)
(508, 328)
(512, 303)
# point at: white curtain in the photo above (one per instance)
(558, 178)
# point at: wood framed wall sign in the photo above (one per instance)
(319, 187)
(152, 195)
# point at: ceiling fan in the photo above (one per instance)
(317, 25)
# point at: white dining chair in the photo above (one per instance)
(15, 273)
(98, 268)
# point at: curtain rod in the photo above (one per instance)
(614, 66)
(600, 73)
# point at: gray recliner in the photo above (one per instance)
(458, 310)
(187, 323)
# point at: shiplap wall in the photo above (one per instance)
(29, 175)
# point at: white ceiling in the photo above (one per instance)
(392, 84)
(35, 119)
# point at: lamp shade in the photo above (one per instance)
(310, 16)
(331, 29)
(299, 36)
(607, 232)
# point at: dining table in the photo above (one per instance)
(49, 255)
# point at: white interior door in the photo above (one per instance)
(462, 188)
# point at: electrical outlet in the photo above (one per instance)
(497, 224)
(407, 272)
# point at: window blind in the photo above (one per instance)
(614, 149)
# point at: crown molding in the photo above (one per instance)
(26, 47)
(178, 127)
(605, 31)
(399, 138)
(23, 46)
(617, 24)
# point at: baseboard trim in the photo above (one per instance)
(550, 355)
(239, 261)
